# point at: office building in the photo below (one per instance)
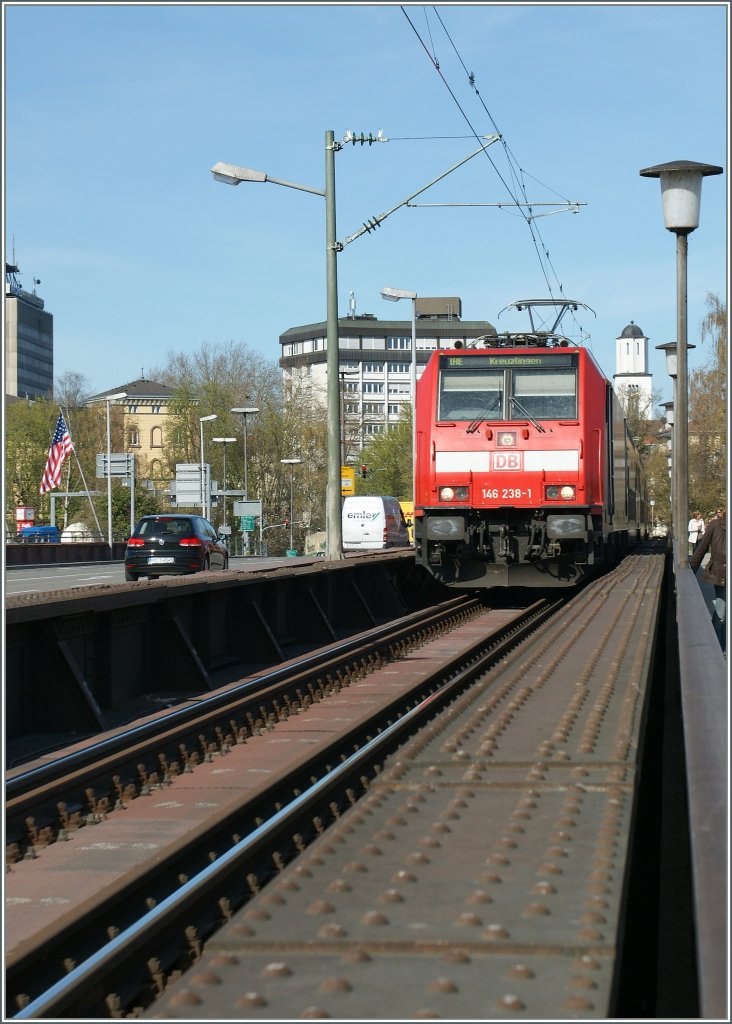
(28, 341)
(374, 362)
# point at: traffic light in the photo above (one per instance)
(364, 472)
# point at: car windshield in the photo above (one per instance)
(165, 525)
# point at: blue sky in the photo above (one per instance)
(114, 115)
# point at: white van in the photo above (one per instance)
(373, 523)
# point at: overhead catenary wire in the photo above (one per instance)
(517, 173)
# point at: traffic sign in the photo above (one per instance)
(348, 480)
(247, 524)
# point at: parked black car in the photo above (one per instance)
(173, 545)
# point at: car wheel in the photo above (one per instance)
(130, 576)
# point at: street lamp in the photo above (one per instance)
(291, 463)
(110, 398)
(204, 496)
(393, 295)
(224, 441)
(681, 182)
(249, 411)
(230, 174)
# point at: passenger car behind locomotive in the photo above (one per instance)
(525, 472)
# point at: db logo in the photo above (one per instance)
(506, 461)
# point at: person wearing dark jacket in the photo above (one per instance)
(714, 540)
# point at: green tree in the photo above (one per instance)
(388, 456)
(708, 414)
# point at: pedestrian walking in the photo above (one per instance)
(696, 531)
(714, 540)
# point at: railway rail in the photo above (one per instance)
(43, 953)
(47, 799)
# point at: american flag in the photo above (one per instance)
(61, 446)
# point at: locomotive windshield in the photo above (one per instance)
(466, 394)
(545, 394)
(508, 387)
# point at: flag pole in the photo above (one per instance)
(83, 480)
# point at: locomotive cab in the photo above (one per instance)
(520, 470)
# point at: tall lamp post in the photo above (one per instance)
(204, 496)
(224, 441)
(110, 398)
(681, 182)
(291, 463)
(230, 174)
(393, 295)
(244, 412)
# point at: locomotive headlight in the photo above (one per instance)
(506, 438)
(450, 493)
(554, 492)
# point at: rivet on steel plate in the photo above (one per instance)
(250, 999)
(276, 969)
(577, 1003)
(456, 956)
(535, 910)
(510, 1002)
(373, 918)
(314, 1012)
(356, 956)
(335, 985)
(581, 981)
(242, 931)
(332, 931)
(586, 962)
(205, 978)
(257, 914)
(321, 907)
(479, 896)
(549, 869)
(185, 998)
(391, 896)
(224, 960)
(404, 876)
(520, 971)
(494, 932)
(469, 920)
(442, 985)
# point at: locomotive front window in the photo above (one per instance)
(544, 394)
(466, 394)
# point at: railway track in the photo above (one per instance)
(278, 819)
(51, 798)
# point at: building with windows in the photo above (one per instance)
(374, 362)
(632, 381)
(144, 412)
(28, 341)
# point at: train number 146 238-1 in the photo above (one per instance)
(506, 492)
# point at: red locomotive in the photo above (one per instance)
(525, 472)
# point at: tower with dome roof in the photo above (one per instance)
(632, 379)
